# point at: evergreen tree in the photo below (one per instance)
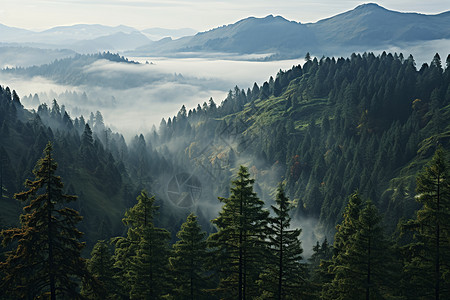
(318, 264)
(46, 261)
(101, 266)
(142, 257)
(238, 246)
(149, 267)
(429, 253)
(344, 231)
(364, 270)
(285, 278)
(188, 261)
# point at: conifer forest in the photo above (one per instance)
(331, 180)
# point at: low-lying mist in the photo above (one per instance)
(134, 97)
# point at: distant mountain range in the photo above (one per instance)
(87, 38)
(367, 27)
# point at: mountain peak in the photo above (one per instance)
(368, 6)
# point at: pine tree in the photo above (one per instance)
(362, 271)
(142, 256)
(318, 264)
(285, 278)
(101, 266)
(188, 261)
(429, 253)
(46, 261)
(149, 266)
(238, 246)
(344, 231)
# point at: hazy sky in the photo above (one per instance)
(198, 14)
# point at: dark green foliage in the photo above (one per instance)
(332, 126)
(328, 128)
(363, 265)
(319, 262)
(188, 261)
(238, 246)
(47, 259)
(428, 254)
(344, 232)
(141, 258)
(101, 266)
(149, 266)
(286, 274)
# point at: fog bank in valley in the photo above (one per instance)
(134, 97)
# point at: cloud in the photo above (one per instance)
(134, 97)
(144, 94)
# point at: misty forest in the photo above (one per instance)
(329, 180)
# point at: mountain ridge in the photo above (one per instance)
(367, 27)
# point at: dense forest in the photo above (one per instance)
(348, 142)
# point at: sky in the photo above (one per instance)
(200, 15)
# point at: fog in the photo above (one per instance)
(134, 97)
(423, 51)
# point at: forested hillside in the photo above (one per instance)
(323, 130)
(72, 70)
(326, 129)
(331, 127)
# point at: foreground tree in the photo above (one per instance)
(46, 261)
(319, 262)
(429, 253)
(344, 231)
(188, 261)
(101, 266)
(366, 267)
(142, 256)
(285, 278)
(239, 245)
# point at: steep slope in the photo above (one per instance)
(332, 126)
(366, 26)
(325, 129)
(371, 24)
(251, 35)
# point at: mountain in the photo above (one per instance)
(157, 33)
(14, 56)
(248, 36)
(85, 69)
(82, 38)
(367, 26)
(119, 41)
(371, 24)
(11, 34)
(81, 32)
(60, 35)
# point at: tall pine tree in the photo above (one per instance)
(101, 266)
(429, 253)
(286, 275)
(188, 261)
(239, 246)
(364, 267)
(47, 260)
(142, 256)
(344, 231)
